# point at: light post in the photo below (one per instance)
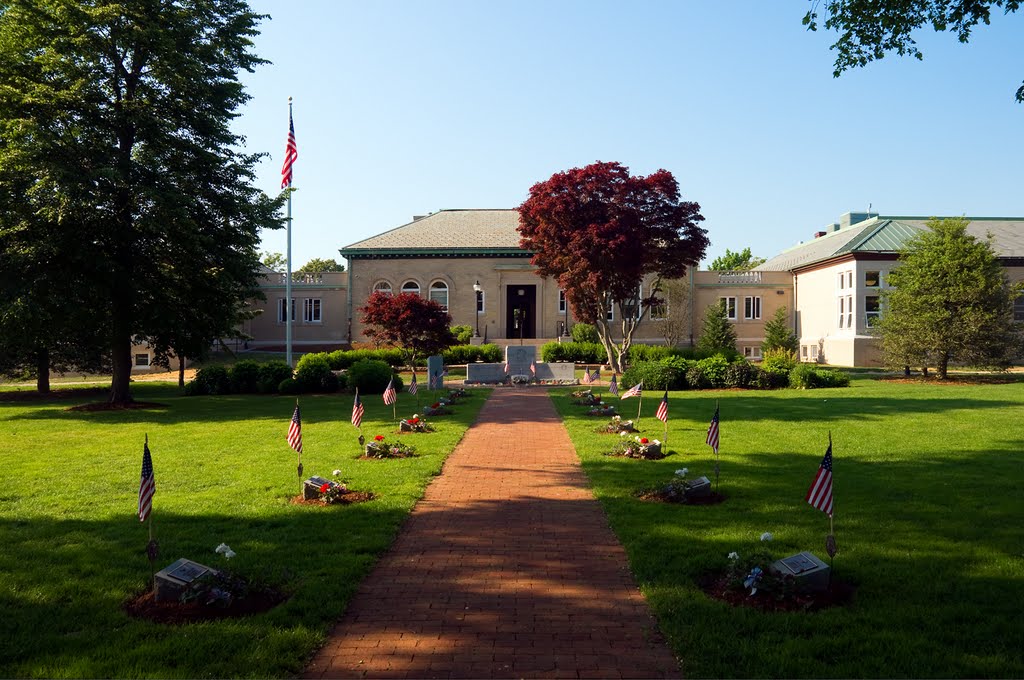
(477, 289)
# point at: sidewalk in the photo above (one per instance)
(506, 568)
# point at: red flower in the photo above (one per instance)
(436, 404)
(324, 488)
(644, 440)
(379, 438)
(414, 421)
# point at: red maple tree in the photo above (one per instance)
(417, 326)
(601, 233)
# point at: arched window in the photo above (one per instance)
(439, 293)
(411, 287)
(382, 287)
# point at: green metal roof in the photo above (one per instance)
(889, 236)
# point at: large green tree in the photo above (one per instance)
(869, 29)
(319, 266)
(717, 334)
(732, 262)
(778, 334)
(949, 301)
(602, 233)
(120, 116)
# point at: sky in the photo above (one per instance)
(406, 108)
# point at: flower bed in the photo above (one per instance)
(637, 447)
(682, 490)
(602, 410)
(381, 448)
(415, 424)
(618, 425)
(586, 398)
(438, 408)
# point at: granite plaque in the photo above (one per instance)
(485, 373)
(808, 570)
(519, 358)
(699, 488)
(435, 372)
(172, 581)
(311, 487)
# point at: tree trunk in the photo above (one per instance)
(43, 371)
(942, 366)
(181, 371)
(121, 356)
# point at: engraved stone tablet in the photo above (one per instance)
(809, 572)
(519, 358)
(435, 372)
(699, 488)
(172, 580)
(311, 487)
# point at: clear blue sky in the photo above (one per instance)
(404, 108)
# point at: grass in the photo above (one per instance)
(927, 518)
(73, 550)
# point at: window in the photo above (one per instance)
(311, 310)
(411, 287)
(872, 279)
(280, 310)
(611, 310)
(439, 293)
(845, 280)
(842, 311)
(872, 310)
(814, 352)
(383, 287)
(803, 352)
(752, 352)
(479, 301)
(1018, 309)
(631, 308)
(142, 360)
(660, 310)
(730, 307)
(561, 302)
(752, 307)
(849, 311)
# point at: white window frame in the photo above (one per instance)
(752, 352)
(842, 310)
(803, 352)
(638, 308)
(481, 307)
(730, 306)
(562, 302)
(411, 287)
(1018, 309)
(752, 307)
(849, 311)
(139, 355)
(871, 317)
(662, 308)
(281, 313)
(437, 287)
(312, 310)
(383, 287)
(878, 278)
(814, 352)
(611, 311)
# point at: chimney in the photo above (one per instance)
(819, 234)
(416, 218)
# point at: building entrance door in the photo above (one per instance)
(521, 311)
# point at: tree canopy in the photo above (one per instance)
(778, 334)
(119, 118)
(868, 29)
(418, 326)
(949, 301)
(319, 266)
(602, 233)
(739, 261)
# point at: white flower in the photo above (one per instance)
(734, 555)
(766, 536)
(623, 433)
(229, 554)
(657, 443)
(222, 549)
(415, 415)
(682, 473)
(336, 473)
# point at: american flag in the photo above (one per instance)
(508, 368)
(357, 411)
(295, 430)
(147, 484)
(586, 376)
(613, 386)
(291, 152)
(662, 413)
(712, 438)
(634, 391)
(820, 493)
(533, 367)
(596, 376)
(390, 396)
(413, 387)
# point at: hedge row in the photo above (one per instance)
(313, 373)
(677, 373)
(593, 353)
(341, 359)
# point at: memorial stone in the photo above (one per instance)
(435, 372)
(172, 581)
(519, 358)
(809, 572)
(485, 373)
(311, 487)
(699, 488)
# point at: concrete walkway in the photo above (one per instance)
(506, 568)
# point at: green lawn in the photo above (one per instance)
(72, 550)
(928, 516)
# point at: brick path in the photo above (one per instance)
(506, 568)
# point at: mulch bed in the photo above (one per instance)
(104, 406)
(716, 586)
(616, 454)
(348, 498)
(177, 613)
(659, 496)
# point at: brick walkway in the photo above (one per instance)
(506, 568)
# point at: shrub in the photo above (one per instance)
(585, 333)
(462, 333)
(808, 376)
(771, 378)
(655, 375)
(584, 352)
(680, 366)
(272, 373)
(552, 352)
(313, 374)
(648, 352)
(245, 377)
(371, 376)
(289, 386)
(830, 378)
(210, 380)
(779, 360)
(714, 369)
(695, 377)
(740, 374)
(465, 354)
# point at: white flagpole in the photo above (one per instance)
(288, 275)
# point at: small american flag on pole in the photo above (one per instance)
(147, 483)
(295, 430)
(712, 438)
(413, 387)
(357, 411)
(634, 391)
(596, 375)
(508, 368)
(291, 152)
(820, 493)
(586, 376)
(613, 386)
(390, 396)
(533, 368)
(662, 413)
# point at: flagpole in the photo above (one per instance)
(288, 279)
(151, 547)
(639, 402)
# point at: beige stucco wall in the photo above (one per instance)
(774, 288)
(330, 288)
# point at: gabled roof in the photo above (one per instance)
(888, 235)
(447, 232)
